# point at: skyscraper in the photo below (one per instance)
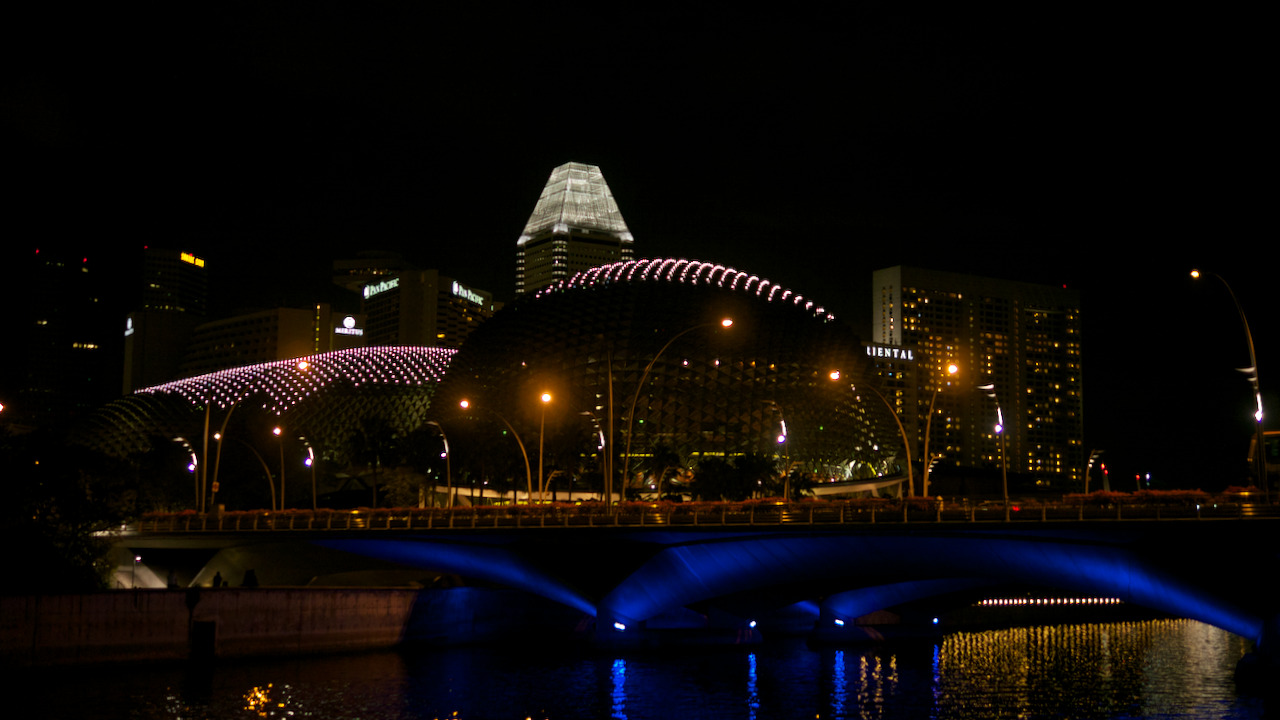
(173, 301)
(423, 307)
(575, 226)
(1021, 338)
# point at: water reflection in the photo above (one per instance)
(1141, 669)
(619, 694)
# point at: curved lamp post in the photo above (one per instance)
(631, 414)
(528, 472)
(952, 369)
(1252, 372)
(999, 428)
(448, 473)
(906, 443)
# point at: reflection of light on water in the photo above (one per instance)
(619, 695)
(1153, 667)
(839, 685)
(258, 701)
(753, 697)
(937, 674)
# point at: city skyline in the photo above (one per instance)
(813, 151)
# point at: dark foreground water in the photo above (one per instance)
(1149, 669)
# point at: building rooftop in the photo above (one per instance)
(576, 196)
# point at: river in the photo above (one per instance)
(1143, 669)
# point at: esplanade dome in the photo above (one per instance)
(649, 333)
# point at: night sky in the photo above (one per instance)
(1105, 152)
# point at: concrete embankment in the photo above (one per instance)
(199, 623)
(204, 623)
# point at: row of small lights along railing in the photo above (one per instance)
(666, 514)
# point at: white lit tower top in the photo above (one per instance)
(575, 226)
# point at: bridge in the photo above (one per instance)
(837, 562)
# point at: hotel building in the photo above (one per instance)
(1022, 339)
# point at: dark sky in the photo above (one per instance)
(1109, 152)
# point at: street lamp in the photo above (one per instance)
(631, 415)
(542, 431)
(906, 443)
(448, 473)
(952, 369)
(279, 433)
(999, 428)
(528, 472)
(1252, 372)
(311, 463)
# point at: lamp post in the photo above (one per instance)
(906, 443)
(1252, 372)
(311, 463)
(782, 439)
(631, 414)
(545, 397)
(465, 404)
(952, 369)
(999, 428)
(448, 473)
(217, 457)
(279, 433)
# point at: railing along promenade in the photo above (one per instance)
(715, 514)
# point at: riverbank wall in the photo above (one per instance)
(196, 623)
(206, 623)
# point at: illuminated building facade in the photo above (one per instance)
(423, 307)
(1024, 339)
(575, 226)
(173, 302)
(652, 327)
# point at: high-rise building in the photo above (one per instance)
(423, 307)
(269, 335)
(1022, 339)
(575, 226)
(174, 300)
(59, 359)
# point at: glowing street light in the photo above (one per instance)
(952, 369)
(725, 323)
(999, 430)
(528, 472)
(448, 473)
(1252, 373)
(279, 433)
(906, 443)
(542, 431)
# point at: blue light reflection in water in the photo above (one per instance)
(619, 694)
(1151, 669)
(839, 686)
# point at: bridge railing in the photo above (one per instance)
(639, 514)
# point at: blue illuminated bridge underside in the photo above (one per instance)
(1208, 571)
(1215, 571)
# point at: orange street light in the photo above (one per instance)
(528, 472)
(952, 369)
(631, 415)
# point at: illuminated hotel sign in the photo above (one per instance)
(466, 293)
(890, 352)
(348, 327)
(385, 285)
(192, 259)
